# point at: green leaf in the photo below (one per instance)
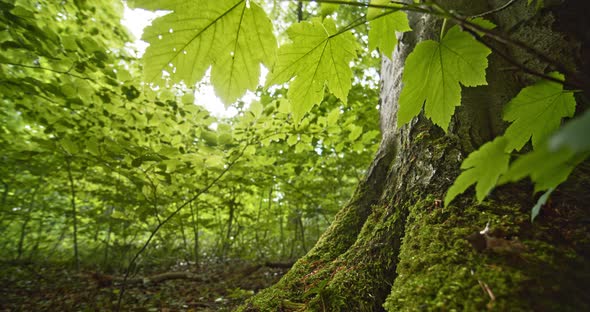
(92, 146)
(328, 8)
(433, 72)
(70, 146)
(256, 108)
(119, 215)
(537, 112)
(292, 140)
(188, 98)
(210, 137)
(369, 136)
(574, 135)
(318, 56)
(546, 168)
(383, 25)
(234, 35)
(355, 132)
(225, 138)
(484, 23)
(333, 116)
(483, 167)
(542, 200)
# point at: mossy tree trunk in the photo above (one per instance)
(394, 247)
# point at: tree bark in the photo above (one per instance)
(394, 247)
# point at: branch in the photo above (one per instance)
(515, 63)
(67, 72)
(496, 10)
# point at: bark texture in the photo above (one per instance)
(393, 247)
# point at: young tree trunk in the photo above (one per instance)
(195, 224)
(74, 213)
(394, 246)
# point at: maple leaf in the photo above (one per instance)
(546, 169)
(433, 73)
(318, 56)
(553, 160)
(483, 167)
(573, 135)
(537, 112)
(235, 36)
(383, 25)
(540, 202)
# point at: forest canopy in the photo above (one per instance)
(95, 159)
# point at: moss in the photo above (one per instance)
(439, 270)
(353, 281)
(361, 277)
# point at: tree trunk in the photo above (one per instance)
(394, 246)
(74, 213)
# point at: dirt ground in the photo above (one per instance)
(209, 287)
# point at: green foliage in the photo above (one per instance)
(573, 135)
(536, 112)
(433, 74)
(383, 25)
(318, 56)
(86, 142)
(71, 99)
(483, 168)
(233, 37)
(546, 168)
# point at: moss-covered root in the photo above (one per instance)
(295, 286)
(361, 278)
(357, 280)
(446, 265)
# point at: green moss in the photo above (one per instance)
(439, 270)
(362, 276)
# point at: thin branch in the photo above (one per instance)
(399, 6)
(496, 10)
(515, 63)
(580, 81)
(67, 72)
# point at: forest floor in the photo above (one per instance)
(211, 287)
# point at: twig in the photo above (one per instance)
(580, 81)
(67, 72)
(486, 289)
(496, 10)
(517, 64)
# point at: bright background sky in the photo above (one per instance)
(136, 20)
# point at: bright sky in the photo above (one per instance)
(136, 20)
